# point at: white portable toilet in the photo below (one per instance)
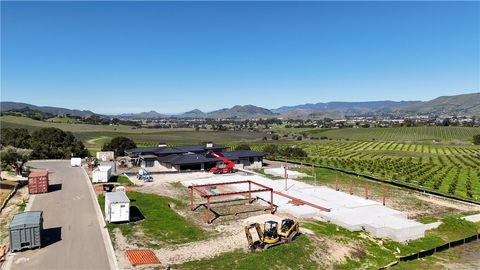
(76, 162)
(101, 174)
(117, 207)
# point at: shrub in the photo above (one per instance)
(243, 147)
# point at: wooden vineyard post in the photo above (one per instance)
(351, 191)
(366, 189)
(384, 193)
(336, 182)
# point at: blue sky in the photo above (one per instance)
(113, 57)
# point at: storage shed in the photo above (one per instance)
(101, 174)
(38, 182)
(25, 230)
(117, 207)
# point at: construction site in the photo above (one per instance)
(247, 210)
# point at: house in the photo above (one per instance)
(192, 157)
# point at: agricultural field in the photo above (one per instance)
(400, 134)
(94, 136)
(448, 169)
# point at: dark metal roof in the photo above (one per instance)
(166, 150)
(26, 219)
(191, 158)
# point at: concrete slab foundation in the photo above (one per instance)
(348, 211)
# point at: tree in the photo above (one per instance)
(15, 157)
(243, 147)
(271, 150)
(16, 137)
(446, 122)
(293, 152)
(476, 139)
(118, 145)
(54, 143)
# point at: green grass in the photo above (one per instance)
(377, 255)
(369, 255)
(161, 224)
(63, 119)
(294, 255)
(427, 220)
(270, 176)
(416, 134)
(121, 179)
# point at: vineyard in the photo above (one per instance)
(453, 170)
(416, 134)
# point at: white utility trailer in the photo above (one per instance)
(101, 174)
(76, 162)
(117, 207)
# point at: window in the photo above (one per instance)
(149, 162)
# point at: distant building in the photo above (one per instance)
(192, 157)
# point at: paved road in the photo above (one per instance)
(72, 233)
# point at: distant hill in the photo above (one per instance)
(242, 112)
(142, 115)
(467, 104)
(341, 108)
(192, 114)
(55, 111)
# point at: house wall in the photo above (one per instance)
(256, 164)
(158, 167)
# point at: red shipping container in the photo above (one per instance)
(38, 182)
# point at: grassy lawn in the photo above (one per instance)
(62, 120)
(121, 179)
(295, 255)
(377, 255)
(452, 228)
(160, 224)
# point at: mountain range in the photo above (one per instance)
(8, 105)
(466, 104)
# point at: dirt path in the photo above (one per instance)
(448, 203)
(202, 250)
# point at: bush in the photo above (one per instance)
(293, 152)
(476, 139)
(118, 145)
(243, 147)
(271, 150)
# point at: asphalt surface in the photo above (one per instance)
(72, 236)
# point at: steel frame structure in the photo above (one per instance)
(200, 190)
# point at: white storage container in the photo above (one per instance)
(101, 174)
(76, 162)
(117, 207)
(105, 155)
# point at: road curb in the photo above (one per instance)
(112, 259)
